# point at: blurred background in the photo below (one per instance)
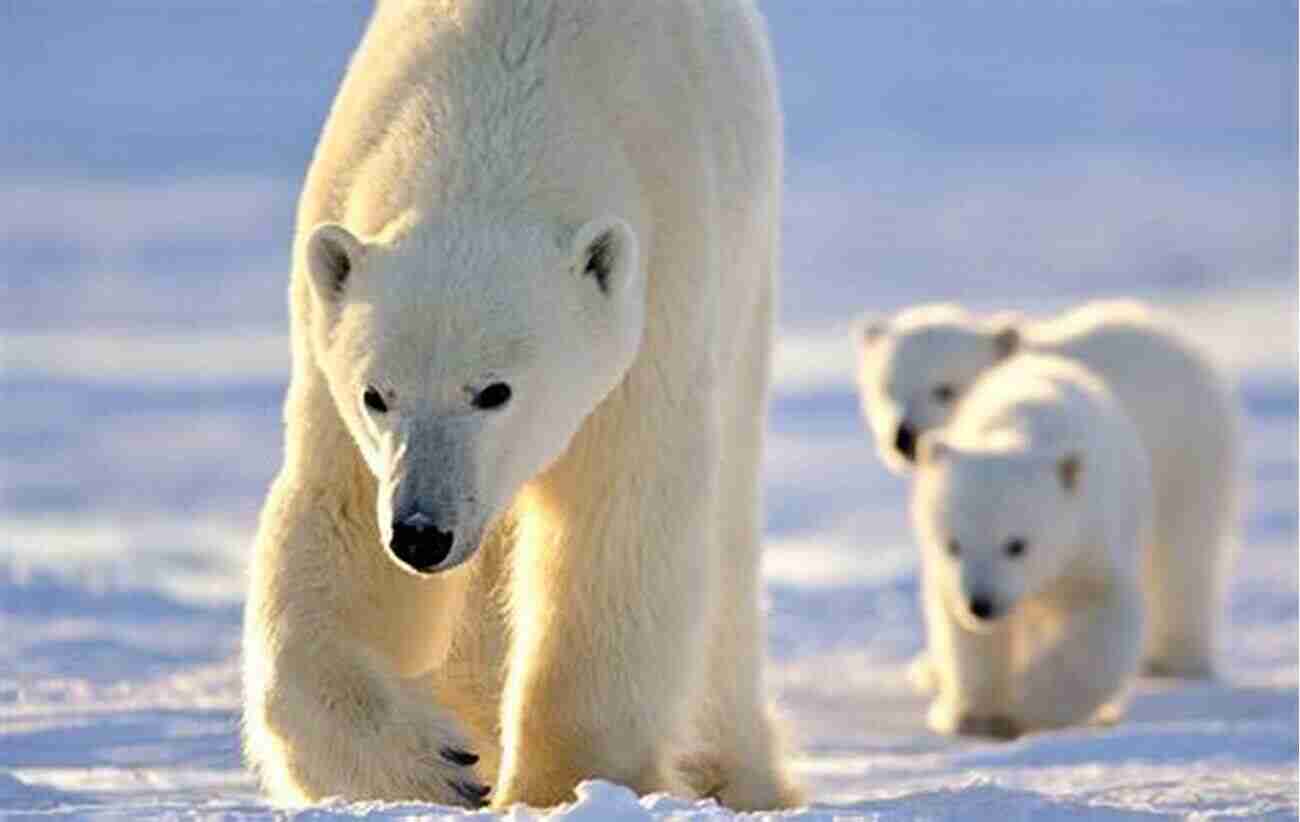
(1026, 154)
(1003, 154)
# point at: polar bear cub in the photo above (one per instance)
(1031, 507)
(915, 368)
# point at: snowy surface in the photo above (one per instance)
(1002, 155)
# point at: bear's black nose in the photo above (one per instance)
(981, 607)
(905, 442)
(420, 544)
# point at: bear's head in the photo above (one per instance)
(996, 526)
(462, 359)
(913, 369)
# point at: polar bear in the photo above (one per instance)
(914, 369)
(1031, 507)
(515, 538)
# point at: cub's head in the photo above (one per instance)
(996, 527)
(915, 367)
(463, 358)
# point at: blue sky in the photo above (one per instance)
(956, 150)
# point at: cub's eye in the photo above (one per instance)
(1015, 547)
(953, 548)
(944, 393)
(494, 396)
(374, 401)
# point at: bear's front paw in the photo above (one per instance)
(423, 758)
(994, 727)
(947, 718)
(466, 785)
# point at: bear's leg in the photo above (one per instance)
(1087, 664)
(470, 682)
(922, 674)
(739, 756)
(334, 637)
(972, 669)
(612, 580)
(1182, 575)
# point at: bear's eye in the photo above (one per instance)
(953, 548)
(374, 401)
(943, 393)
(494, 396)
(1015, 548)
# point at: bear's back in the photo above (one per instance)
(559, 104)
(1175, 396)
(1051, 405)
(1040, 399)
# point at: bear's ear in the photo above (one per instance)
(869, 329)
(1006, 340)
(605, 253)
(1068, 468)
(332, 254)
(932, 450)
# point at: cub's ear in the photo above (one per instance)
(605, 253)
(1068, 468)
(869, 329)
(333, 253)
(932, 449)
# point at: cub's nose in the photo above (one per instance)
(905, 442)
(982, 607)
(420, 544)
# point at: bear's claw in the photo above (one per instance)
(471, 792)
(458, 757)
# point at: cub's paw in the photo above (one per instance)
(942, 716)
(1109, 714)
(946, 718)
(993, 727)
(1174, 668)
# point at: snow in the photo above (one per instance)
(143, 361)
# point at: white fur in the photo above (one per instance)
(1042, 454)
(598, 615)
(1182, 408)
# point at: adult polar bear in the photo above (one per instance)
(518, 515)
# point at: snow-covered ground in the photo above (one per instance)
(1002, 155)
